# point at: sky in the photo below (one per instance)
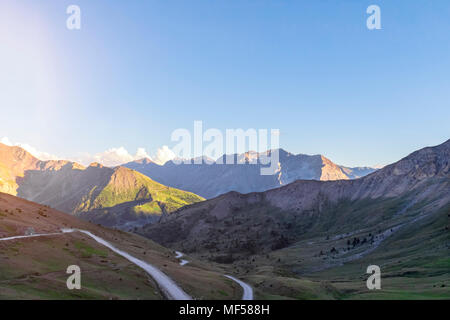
(137, 70)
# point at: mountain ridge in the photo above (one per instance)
(212, 179)
(415, 186)
(75, 189)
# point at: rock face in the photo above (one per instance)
(419, 185)
(211, 180)
(91, 192)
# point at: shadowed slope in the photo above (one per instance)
(258, 222)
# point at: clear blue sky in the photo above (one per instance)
(137, 70)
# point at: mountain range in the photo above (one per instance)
(421, 179)
(212, 178)
(311, 238)
(396, 217)
(142, 191)
(110, 196)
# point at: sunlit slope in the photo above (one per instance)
(97, 187)
(129, 196)
(127, 185)
(15, 162)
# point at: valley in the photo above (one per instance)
(35, 267)
(232, 150)
(319, 237)
(309, 239)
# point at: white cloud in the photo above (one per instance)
(6, 141)
(163, 155)
(111, 158)
(141, 154)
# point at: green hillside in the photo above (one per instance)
(127, 185)
(130, 198)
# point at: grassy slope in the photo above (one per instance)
(127, 185)
(414, 262)
(35, 268)
(413, 258)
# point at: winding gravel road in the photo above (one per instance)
(30, 236)
(166, 284)
(248, 291)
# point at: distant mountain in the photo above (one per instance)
(111, 196)
(211, 180)
(357, 172)
(399, 195)
(15, 162)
